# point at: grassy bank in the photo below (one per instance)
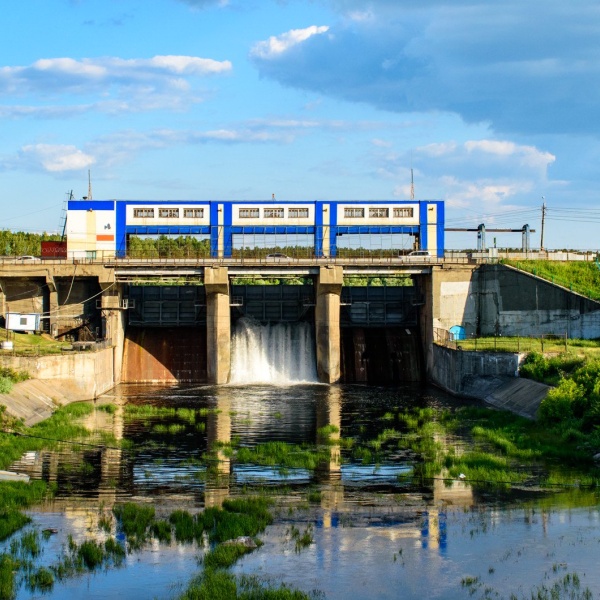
(34, 344)
(582, 277)
(549, 344)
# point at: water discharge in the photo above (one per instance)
(277, 354)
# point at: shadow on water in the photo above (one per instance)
(345, 464)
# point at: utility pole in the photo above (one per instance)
(543, 219)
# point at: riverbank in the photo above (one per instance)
(56, 380)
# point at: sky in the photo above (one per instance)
(493, 106)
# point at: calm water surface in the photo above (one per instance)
(376, 533)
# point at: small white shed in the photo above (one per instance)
(23, 321)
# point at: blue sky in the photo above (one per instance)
(492, 104)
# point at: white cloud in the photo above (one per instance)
(527, 155)
(60, 76)
(277, 45)
(56, 158)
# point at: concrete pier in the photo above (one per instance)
(218, 324)
(327, 322)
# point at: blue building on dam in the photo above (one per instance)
(98, 228)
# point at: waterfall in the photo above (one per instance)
(280, 354)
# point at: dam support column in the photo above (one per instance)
(218, 324)
(327, 322)
(53, 306)
(114, 315)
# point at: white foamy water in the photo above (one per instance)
(279, 354)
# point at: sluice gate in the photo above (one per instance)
(164, 354)
(166, 338)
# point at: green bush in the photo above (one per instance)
(6, 385)
(557, 406)
(549, 370)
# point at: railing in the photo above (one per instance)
(306, 256)
(38, 351)
(547, 342)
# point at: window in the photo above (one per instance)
(23, 321)
(298, 213)
(400, 213)
(249, 213)
(273, 213)
(354, 213)
(168, 213)
(379, 213)
(193, 213)
(143, 213)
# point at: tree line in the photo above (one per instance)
(18, 243)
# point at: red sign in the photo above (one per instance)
(54, 249)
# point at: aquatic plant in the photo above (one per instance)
(41, 579)
(220, 585)
(224, 556)
(134, 520)
(282, 455)
(8, 566)
(11, 520)
(302, 540)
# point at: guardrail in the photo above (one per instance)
(383, 256)
(38, 351)
(547, 342)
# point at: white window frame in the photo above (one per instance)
(273, 213)
(193, 213)
(168, 213)
(143, 213)
(379, 212)
(353, 212)
(298, 213)
(404, 212)
(249, 213)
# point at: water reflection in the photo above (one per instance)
(374, 532)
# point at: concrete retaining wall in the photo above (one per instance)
(488, 376)
(88, 374)
(451, 368)
(500, 300)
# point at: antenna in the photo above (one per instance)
(89, 196)
(412, 185)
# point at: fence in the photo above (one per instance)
(548, 342)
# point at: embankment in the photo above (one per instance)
(57, 380)
(489, 376)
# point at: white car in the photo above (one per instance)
(417, 255)
(28, 259)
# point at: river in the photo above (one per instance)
(373, 529)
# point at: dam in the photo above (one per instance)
(208, 320)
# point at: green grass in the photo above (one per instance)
(221, 585)
(582, 277)
(33, 344)
(282, 455)
(8, 566)
(573, 348)
(224, 556)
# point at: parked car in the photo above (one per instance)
(277, 256)
(28, 259)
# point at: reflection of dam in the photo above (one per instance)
(298, 415)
